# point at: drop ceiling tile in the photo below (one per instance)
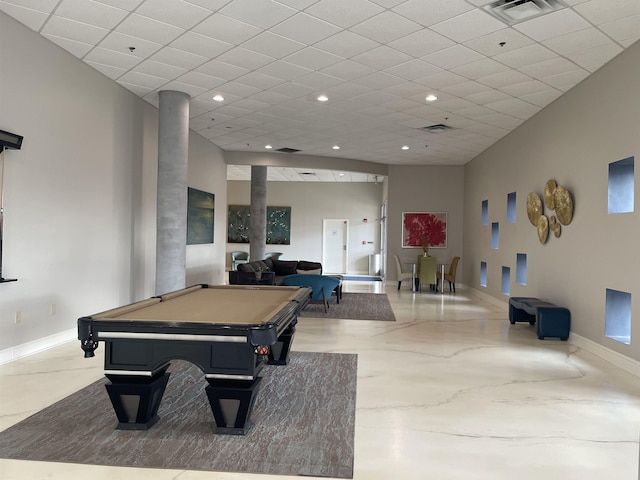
(305, 29)
(261, 13)
(480, 68)
(525, 56)
(382, 57)
(627, 42)
(284, 70)
(547, 68)
(542, 99)
(142, 80)
(226, 29)
(237, 89)
(386, 27)
(158, 69)
(109, 71)
(500, 120)
(482, 98)
(91, 13)
(259, 80)
(72, 30)
(577, 41)
(346, 44)
(121, 43)
(348, 70)
(273, 45)
(220, 69)
(567, 80)
(344, 14)
(149, 29)
(200, 80)
(413, 69)
(453, 57)
(441, 80)
(318, 81)
(112, 58)
(269, 97)
(293, 90)
(595, 57)
(465, 88)
(552, 25)
(178, 58)
(378, 80)
(197, 44)
(469, 25)
(475, 111)
(313, 58)
(514, 107)
(623, 29)
(499, 42)
(600, 11)
(34, 19)
(526, 88)
(77, 49)
(137, 89)
(503, 79)
(124, 4)
(431, 12)
(409, 89)
(46, 6)
(421, 43)
(241, 57)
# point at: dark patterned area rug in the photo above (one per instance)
(303, 424)
(354, 306)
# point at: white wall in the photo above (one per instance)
(310, 203)
(80, 215)
(572, 141)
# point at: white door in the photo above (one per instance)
(334, 245)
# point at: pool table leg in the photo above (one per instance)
(279, 351)
(231, 404)
(136, 399)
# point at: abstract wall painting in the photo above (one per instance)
(278, 225)
(200, 214)
(421, 227)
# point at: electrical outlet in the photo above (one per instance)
(18, 317)
(52, 310)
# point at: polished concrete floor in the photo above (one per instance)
(450, 390)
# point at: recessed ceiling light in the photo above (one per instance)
(336, 147)
(268, 147)
(218, 98)
(323, 98)
(405, 147)
(431, 98)
(341, 174)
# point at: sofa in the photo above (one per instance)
(271, 271)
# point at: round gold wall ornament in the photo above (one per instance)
(543, 228)
(564, 205)
(534, 208)
(550, 194)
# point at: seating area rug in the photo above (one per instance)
(302, 425)
(354, 306)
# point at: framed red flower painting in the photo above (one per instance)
(420, 228)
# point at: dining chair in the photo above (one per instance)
(450, 276)
(402, 274)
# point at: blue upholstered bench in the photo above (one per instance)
(550, 320)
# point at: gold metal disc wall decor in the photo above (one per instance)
(534, 208)
(564, 205)
(550, 194)
(556, 197)
(543, 228)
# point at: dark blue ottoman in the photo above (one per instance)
(550, 320)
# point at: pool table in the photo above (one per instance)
(228, 331)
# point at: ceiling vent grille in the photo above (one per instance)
(437, 128)
(516, 11)
(287, 150)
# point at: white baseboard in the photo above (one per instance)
(29, 348)
(627, 364)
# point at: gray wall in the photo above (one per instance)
(572, 141)
(310, 203)
(425, 189)
(79, 224)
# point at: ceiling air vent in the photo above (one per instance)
(516, 11)
(287, 150)
(437, 128)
